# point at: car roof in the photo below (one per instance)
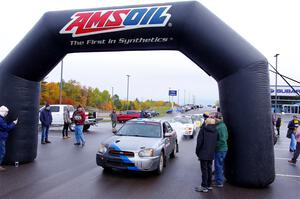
(147, 120)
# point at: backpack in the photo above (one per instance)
(289, 133)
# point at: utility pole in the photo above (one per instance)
(178, 98)
(169, 94)
(184, 97)
(112, 97)
(276, 57)
(61, 81)
(127, 90)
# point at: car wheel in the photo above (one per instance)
(175, 150)
(107, 169)
(161, 164)
(86, 127)
(72, 127)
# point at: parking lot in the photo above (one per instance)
(63, 170)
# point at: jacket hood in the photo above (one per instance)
(210, 128)
(3, 111)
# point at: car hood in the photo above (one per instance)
(130, 143)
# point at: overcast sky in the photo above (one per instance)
(272, 26)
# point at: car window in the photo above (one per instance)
(54, 109)
(71, 108)
(169, 128)
(141, 129)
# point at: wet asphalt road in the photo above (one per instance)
(63, 171)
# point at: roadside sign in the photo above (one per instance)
(172, 92)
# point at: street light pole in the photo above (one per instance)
(127, 90)
(178, 97)
(276, 57)
(112, 97)
(61, 81)
(184, 97)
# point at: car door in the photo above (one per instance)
(57, 115)
(172, 138)
(169, 141)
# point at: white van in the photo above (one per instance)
(57, 111)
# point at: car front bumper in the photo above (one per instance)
(127, 163)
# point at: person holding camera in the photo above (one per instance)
(5, 127)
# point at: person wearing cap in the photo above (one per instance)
(205, 151)
(5, 127)
(46, 120)
(221, 150)
(292, 127)
(297, 151)
(79, 119)
(205, 116)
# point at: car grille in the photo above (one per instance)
(117, 153)
(119, 163)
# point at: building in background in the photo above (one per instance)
(287, 100)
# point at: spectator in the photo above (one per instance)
(221, 150)
(114, 119)
(79, 118)
(143, 114)
(205, 150)
(292, 127)
(67, 122)
(297, 152)
(5, 127)
(278, 124)
(46, 120)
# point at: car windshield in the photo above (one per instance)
(183, 120)
(141, 129)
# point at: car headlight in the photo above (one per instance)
(146, 153)
(189, 129)
(102, 148)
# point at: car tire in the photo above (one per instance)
(161, 164)
(175, 150)
(86, 127)
(107, 169)
(72, 127)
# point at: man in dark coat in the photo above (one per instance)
(205, 150)
(278, 124)
(46, 120)
(5, 127)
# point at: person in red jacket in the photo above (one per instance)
(79, 118)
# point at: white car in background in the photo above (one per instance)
(57, 111)
(185, 126)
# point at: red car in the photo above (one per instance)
(128, 115)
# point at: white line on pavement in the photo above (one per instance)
(282, 158)
(284, 175)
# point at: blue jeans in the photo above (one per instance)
(2, 150)
(293, 142)
(219, 166)
(44, 136)
(79, 134)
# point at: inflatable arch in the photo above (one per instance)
(240, 70)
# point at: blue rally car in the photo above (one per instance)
(139, 145)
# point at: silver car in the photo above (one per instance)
(139, 145)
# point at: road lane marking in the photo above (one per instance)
(285, 175)
(282, 158)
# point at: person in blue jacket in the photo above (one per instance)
(5, 127)
(46, 120)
